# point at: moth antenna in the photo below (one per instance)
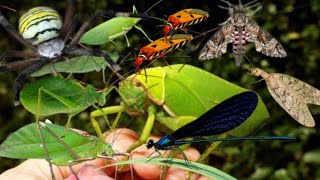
(253, 5)
(227, 2)
(250, 3)
(222, 7)
(240, 4)
(253, 12)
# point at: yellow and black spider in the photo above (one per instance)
(42, 30)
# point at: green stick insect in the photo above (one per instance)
(63, 146)
(172, 97)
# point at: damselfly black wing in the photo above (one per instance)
(225, 116)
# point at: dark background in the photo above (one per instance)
(294, 23)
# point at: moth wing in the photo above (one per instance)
(217, 44)
(264, 41)
(309, 94)
(289, 100)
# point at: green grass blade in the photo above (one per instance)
(181, 164)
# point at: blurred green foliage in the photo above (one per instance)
(295, 23)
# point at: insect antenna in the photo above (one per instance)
(9, 8)
(155, 4)
(248, 60)
(227, 2)
(256, 10)
(222, 7)
(240, 3)
(251, 4)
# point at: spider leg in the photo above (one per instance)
(74, 51)
(68, 19)
(17, 54)
(23, 76)
(6, 25)
(13, 66)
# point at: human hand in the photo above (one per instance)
(123, 138)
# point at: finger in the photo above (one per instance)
(154, 171)
(31, 169)
(147, 171)
(174, 173)
(120, 139)
(89, 172)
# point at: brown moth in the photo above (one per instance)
(239, 29)
(291, 94)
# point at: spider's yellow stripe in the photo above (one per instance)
(35, 10)
(35, 16)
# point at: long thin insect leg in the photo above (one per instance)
(15, 33)
(60, 140)
(76, 161)
(111, 158)
(130, 157)
(41, 136)
(181, 152)
(23, 76)
(46, 152)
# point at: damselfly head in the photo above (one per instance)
(150, 144)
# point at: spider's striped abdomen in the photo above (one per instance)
(40, 24)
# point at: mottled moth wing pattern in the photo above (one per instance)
(239, 29)
(217, 44)
(264, 41)
(291, 94)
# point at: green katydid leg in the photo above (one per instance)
(147, 129)
(104, 112)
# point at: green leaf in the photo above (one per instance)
(195, 167)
